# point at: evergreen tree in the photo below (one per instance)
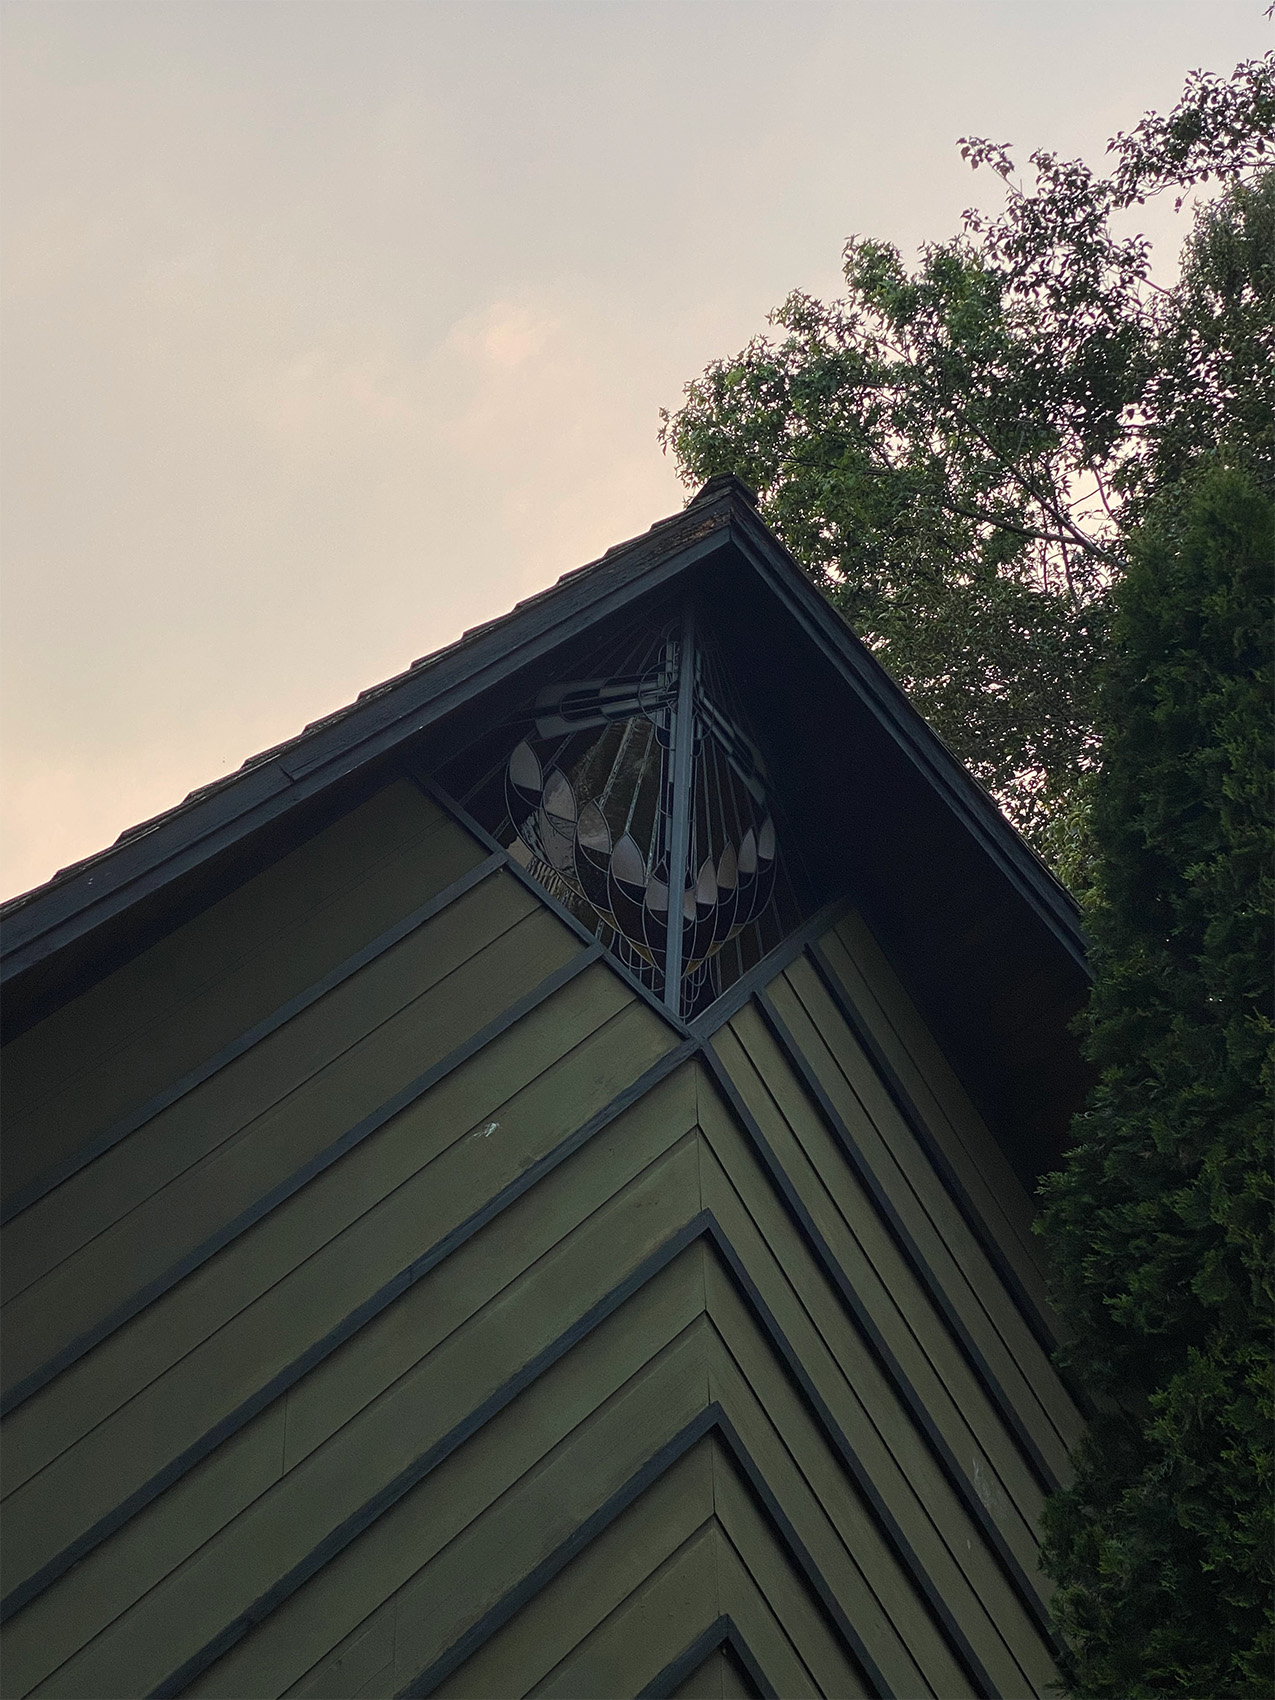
(1160, 1225)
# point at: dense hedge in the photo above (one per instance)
(1160, 1226)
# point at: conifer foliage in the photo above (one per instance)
(1160, 1224)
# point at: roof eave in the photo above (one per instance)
(45, 920)
(72, 906)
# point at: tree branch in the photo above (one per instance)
(1032, 532)
(1052, 507)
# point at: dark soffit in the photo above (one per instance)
(718, 538)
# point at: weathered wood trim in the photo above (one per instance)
(54, 1177)
(907, 1247)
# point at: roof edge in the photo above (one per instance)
(210, 820)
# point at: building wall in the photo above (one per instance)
(397, 1302)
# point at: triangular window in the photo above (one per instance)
(638, 797)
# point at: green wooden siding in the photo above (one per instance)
(461, 1326)
(147, 1024)
(718, 1677)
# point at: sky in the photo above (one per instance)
(333, 327)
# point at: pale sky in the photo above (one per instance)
(332, 327)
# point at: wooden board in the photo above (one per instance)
(462, 1106)
(929, 1077)
(244, 1138)
(858, 1246)
(719, 1677)
(528, 1386)
(929, 1214)
(377, 1438)
(191, 993)
(851, 1386)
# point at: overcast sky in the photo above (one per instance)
(332, 327)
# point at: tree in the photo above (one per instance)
(1043, 490)
(1160, 1225)
(950, 450)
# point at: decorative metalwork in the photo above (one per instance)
(640, 800)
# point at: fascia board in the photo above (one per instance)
(304, 768)
(299, 772)
(918, 741)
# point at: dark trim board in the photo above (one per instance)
(722, 1632)
(462, 817)
(292, 1183)
(768, 968)
(1042, 1330)
(102, 1142)
(887, 1526)
(354, 1525)
(703, 1225)
(93, 916)
(712, 1420)
(370, 729)
(691, 1047)
(890, 1403)
(1044, 1335)
(436, 1673)
(906, 1245)
(392, 715)
(887, 1363)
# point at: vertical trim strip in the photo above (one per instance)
(682, 754)
(461, 815)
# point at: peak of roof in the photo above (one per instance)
(663, 538)
(400, 708)
(724, 483)
(974, 917)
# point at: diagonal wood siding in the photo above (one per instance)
(397, 1302)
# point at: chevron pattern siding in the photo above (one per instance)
(398, 1301)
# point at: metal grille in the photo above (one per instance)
(638, 798)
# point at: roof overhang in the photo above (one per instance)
(988, 942)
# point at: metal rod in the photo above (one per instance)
(682, 752)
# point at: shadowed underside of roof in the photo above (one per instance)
(879, 809)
